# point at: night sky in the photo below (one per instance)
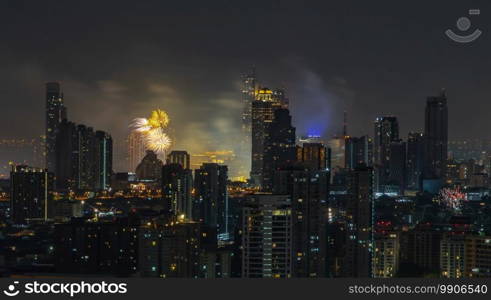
(118, 60)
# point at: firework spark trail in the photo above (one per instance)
(452, 198)
(157, 140)
(140, 125)
(153, 129)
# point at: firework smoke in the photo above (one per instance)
(153, 130)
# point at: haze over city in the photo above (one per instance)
(118, 62)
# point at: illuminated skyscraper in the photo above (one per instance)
(86, 149)
(279, 148)
(248, 91)
(279, 96)
(359, 229)
(415, 160)
(177, 185)
(136, 150)
(263, 108)
(211, 197)
(452, 256)
(309, 192)
(478, 256)
(248, 96)
(436, 135)
(55, 113)
(101, 247)
(103, 160)
(262, 116)
(314, 156)
(386, 132)
(386, 255)
(358, 152)
(170, 250)
(267, 237)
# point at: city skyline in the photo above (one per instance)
(343, 141)
(322, 78)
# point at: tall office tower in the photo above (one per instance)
(97, 247)
(314, 156)
(397, 165)
(85, 177)
(279, 146)
(248, 91)
(452, 256)
(386, 132)
(248, 97)
(177, 186)
(31, 194)
(55, 113)
(211, 197)
(267, 237)
(358, 152)
(66, 155)
(478, 256)
(263, 108)
(386, 255)
(309, 192)
(436, 135)
(103, 160)
(150, 168)
(415, 160)
(279, 96)
(180, 157)
(359, 230)
(136, 150)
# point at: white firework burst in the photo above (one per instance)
(157, 140)
(140, 125)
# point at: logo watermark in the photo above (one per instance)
(70, 288)
(463, 24)
(11, 290)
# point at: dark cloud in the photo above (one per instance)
(118, 60)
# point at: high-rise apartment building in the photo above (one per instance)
(211, 197)
(31, 194)
(84, 158)
(359, 228)
(308, 191)
(452, 256)
(177, 186)
(358, 152)
(136, 149)
(279, 146)
(386, 255)
(436, 136)
(267, 237)
(415, 160)
(386, 132)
